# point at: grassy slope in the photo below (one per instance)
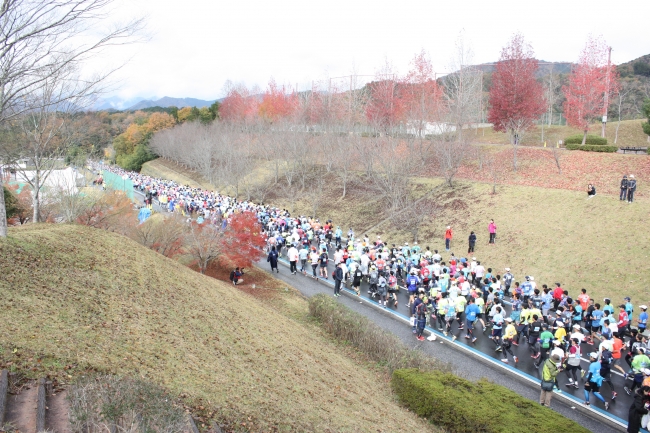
(81, 298)
(552, 234)
(630, 133)
(555, 235)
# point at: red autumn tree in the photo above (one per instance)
(421, 95)
(243, 240)
(238, 105)
(516, 97)
(277, 103)
(589, 81)
(385, 106)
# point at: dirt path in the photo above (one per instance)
(21, 410)
(56, 417)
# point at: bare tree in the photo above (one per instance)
(463, 89)
(411, 212)
(344, 155)
(203, 243)
(314, 193)
(35, 41)
(449, 153)
(43, 134)
(557, 156)
(491, 164)
(622, 91)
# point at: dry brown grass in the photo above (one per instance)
(76, 299)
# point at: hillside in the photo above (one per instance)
(76, 299)
(547, 226)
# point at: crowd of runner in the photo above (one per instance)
(459, 296)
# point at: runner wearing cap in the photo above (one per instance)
(412, 282)
(471, 314)
(639, 363)
(508, 336)
(573, 363)
(508, 278)
(594, 380)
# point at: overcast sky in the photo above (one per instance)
(196, 45)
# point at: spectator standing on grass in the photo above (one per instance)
(631, 188)
(472, 242)
(624, 182)
(448, 235)
(492, 228)
(273, 259)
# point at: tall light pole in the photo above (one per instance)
(609, 64)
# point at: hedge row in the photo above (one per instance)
(461, 406)
(379, 345)
(592, 148)
(591, 139)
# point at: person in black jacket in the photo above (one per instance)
(273, 260)
(338, 278)
(623, 195)
(472, 242)
(631, 187)
(638, 409)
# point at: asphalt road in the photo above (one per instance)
(473, 361)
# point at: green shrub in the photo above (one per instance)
(591, 139)
(379, 345)
(592, 148)
(461, 406)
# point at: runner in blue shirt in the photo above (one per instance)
(596, 316)
(412, 282)
(471, 313)
(497, 326)
(643, 318)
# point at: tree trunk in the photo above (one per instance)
(584, 137)
(514, 157)
(37, 207)
(3, 210)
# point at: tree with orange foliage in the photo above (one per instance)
(277, 103)
(243, 240)
(238, 105)
(385, 107)
(113, 211)
(158, 121)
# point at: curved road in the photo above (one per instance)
(477, 360)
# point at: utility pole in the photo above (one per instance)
(609, 63)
